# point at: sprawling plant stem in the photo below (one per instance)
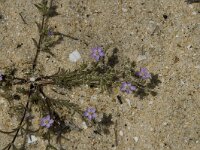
(23, 117)
(31, 88)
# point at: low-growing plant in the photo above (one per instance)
(27, 96)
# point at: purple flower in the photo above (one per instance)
(127, 87)
(90, 113)
(50, 32)
(1, 76)
(46, 121)
(97, 53)
(143, 73)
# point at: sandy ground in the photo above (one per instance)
(163, 35)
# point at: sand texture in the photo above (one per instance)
(162, 35)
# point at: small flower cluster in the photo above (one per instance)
(128, 87)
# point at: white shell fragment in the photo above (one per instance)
(121, 133)
(32, 139)
(74, 56)
(141, 57)
(136, 139)
(32, 79)
(84, 126)
(128, 102)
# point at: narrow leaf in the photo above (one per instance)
(39, 27)
(35, 43)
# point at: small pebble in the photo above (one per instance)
(136, 139)
(197, 67)
(32, 79)
(165, 123)
(128, 101)
(189, 47)
(152, 27)
(141, 57)
(124, 10)
(151, 102)
(190, 5)
(151, 129)
(194, 13)
(121, 133)
(74, 56)
(84, 126)
(81, 100)
(32, 139)
(93, 97)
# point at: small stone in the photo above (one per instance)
(124, 10)
(136, 139)
(151, 102)
(141, 57)
(189, 47)
(182, 82)
(84, 125)
(32, 79)
(152, 27)
(151, 129)
(74, 56)
(93, 97)
(121, 133)
(190, 5)
(81, 100)
(131, 33)
(32, 139)
(194, 13)
(165, 123)
(99, 117)
(197, 67)
(128, 101)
